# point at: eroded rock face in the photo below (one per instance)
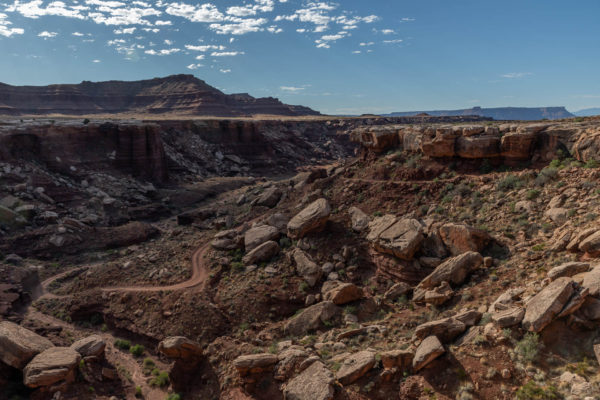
(53, 365)
(313, 318)
(460, 238)
(591, 244)
(270, 197)
(591, 281)
(19, 345)
(312, 219)
(314, 383)
(547, 304)
(568, 269)
(360, 220)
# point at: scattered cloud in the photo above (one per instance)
(388, 31)
(125, 31)
(226, 53)
(5, 30)
(204, 47)
(96, 61)
(516, 75)
(224, 71)
(47, 35)
(392, 41)
(366, 44)
(291, 89)
(163, 52)
(194, 66)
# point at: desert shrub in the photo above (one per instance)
(122, 344)
(137, 350)
(527, 349)
(510, 182)
(546, 175)
(285, 242)
(533, 194)
(160, 380)
(174, 396)
(138, 391)
(148, 366)
(591, 164)
(237, 266)
(533, 391)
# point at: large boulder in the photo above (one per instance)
(429, 349)
(19, 345)
(547, 304)
(306, 267)
(227, 240)
(264, 252)
(55, 364)
(312, 219)
(314, 383)
(255, 363)
(256, 236)
(341, 293)
(90, 346)
(355, 366)
(402, 239)
(591, 244)
(446, 329)
(401, 359)
(454, 270)
(460, 238)
(360, 220)
(568, 269)
(180, 347)
(270, 197)
(591, 281)
(11, 218)
(313, 318)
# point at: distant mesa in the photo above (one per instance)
(588, 112)
(500, 113)
(175, 94)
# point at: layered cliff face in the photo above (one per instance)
(512, 144)
(177, 94)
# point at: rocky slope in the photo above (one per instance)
(447, 261)
(176, 94)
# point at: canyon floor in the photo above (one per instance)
(304, 259)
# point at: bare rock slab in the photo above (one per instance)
(90, 346)
(19, 345)
(52, 365)
(547, 304)
(429, 349)
(355, 366)
(314, 383)
(312, 219)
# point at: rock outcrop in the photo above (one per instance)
(19, 345)
(53, 365)
(312, 219)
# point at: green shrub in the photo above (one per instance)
(138, 391)
(137, 350)
(510, 182)
(237, 266)
(527, 349)
(122, 344)
(591, 164)
(533, 194)
(148, 365)
(532, 391)
(174, 396)
(546, 175)
(160, 380)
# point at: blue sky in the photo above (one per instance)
(344, 57)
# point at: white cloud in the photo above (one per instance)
(47, 35)
(34, 10)
(392, 41)
(224, 71)
(194, 66)
(407, 19)
(96, 61)
(516, 75)
(356, 52)
(162, 23)
(79, 34)
(239, 26)
(291, 89)
(8, 32)
(274, 29)
(199, 13)
(168, 42)
(204, 47)
(200, 57)
(365, 44)
(388, 31)
(124, 31)
(163, 52)
(226, 53)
